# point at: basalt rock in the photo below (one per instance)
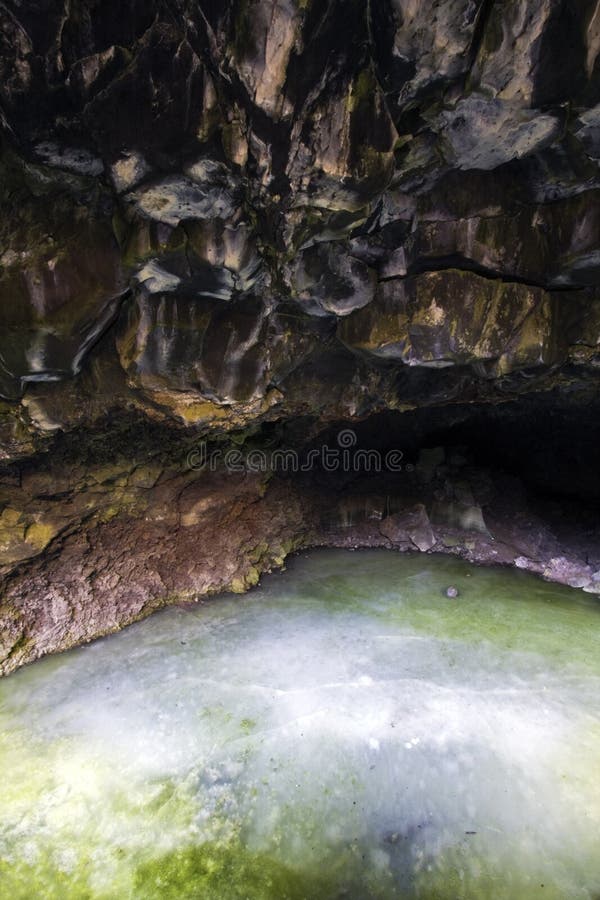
(222, 219)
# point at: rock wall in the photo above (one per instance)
(223, 216)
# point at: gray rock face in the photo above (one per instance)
(410, 526)
(441, 319)
(61, 274)
(431, 41)
(302, 153)
(588, 132)
(327, 278)
(485, 134)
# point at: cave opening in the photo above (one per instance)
(549, 442)
(495, 477)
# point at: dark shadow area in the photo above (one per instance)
(549, 442)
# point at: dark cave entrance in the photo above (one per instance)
(550, 443)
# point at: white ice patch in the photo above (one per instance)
(343, 704)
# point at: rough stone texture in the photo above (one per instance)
(195, 539)
(282, 153)
(441, 319)
(134, 535)
(410, 526)
(219, 218)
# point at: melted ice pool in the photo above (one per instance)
(345, 730)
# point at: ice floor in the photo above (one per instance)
(343, 731)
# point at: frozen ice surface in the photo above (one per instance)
(344, 730)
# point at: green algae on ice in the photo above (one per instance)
(343, 730)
